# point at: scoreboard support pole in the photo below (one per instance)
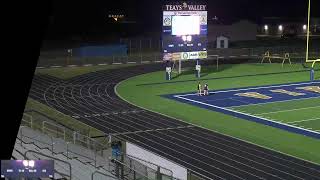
(312, 74)
(179, 66)
(198, 69)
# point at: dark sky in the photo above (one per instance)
(80, 15)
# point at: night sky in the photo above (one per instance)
(79, 16)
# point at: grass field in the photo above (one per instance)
(146, 90)
(69, 72)
(303, 113)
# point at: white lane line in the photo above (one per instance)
(103, 64)
(313, 119)
(116, 63)
(55, 66)
(72, 65)
(40, 67)
(274, 112)
(218, 107)
(131, 62)
(87, 65)
(255, 88)
(275, 102)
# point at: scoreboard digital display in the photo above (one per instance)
(184, 32)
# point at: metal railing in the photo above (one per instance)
(52, 145)
(56, 159)
(156, 56)
(156, 169)
(50, 140)
(50, 126)
(106, 176)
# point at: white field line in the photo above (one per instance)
(274, 112)
(262, 87)
(274, 102)
(306, 120)
(230, 110)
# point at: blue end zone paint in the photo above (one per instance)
(221, 99)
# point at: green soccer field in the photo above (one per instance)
(299, 113)
(146, 90)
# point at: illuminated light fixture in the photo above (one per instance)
(266, 27)
(189, 38)
(31, 163)
(116, 17)
(304, 27)
(25, 163)
(280, 27)
(184, 38)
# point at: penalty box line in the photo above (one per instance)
(248, 115)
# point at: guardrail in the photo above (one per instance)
(58, 60)
(67, 152)
(50, 126)
(56, 159)
(105, 175)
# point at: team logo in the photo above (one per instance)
(184, 5)
(202, 54)
(167, 21)
(203, 19)
(185, 55)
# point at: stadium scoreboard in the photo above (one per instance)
(184, 31)
(27, 169)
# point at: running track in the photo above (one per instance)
(91, 99)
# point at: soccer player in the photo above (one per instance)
(206, 90)
(199, 89)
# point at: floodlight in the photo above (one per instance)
(280, 27)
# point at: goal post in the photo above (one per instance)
(313, 61)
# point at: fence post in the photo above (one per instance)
(158, 173)
(64, 134)
(74, 137)
(68, 150)
(95, 158)
(21, 137)
(52, 145)
(122, 166)
(31, 121)
(43, 126)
